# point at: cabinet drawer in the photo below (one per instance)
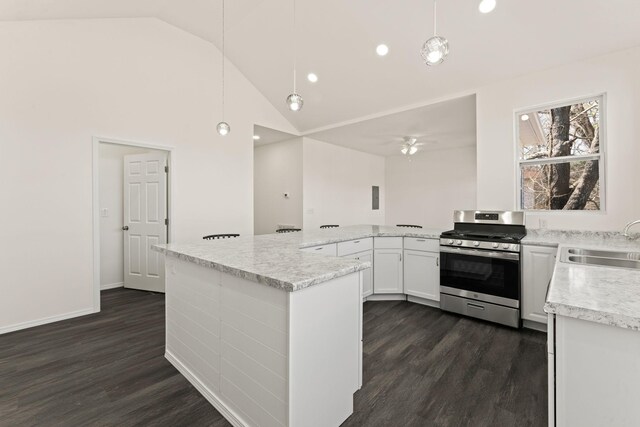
(323, 249)
(387, 242)
(422, 244)
(355, 246)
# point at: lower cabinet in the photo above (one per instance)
(387, 271)
(537, 268)
(422, 274)
(367, 285)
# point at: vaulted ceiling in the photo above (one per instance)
(336, 39)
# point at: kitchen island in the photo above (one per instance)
(269, 334)
(594, 334)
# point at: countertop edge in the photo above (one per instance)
(261, 279)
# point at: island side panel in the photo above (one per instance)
(597, 374)
(325, 326)
(228, 337)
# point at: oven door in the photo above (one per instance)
(490, 276)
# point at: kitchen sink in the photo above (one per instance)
(605, 254)
(619, 259)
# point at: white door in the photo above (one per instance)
(145, 213)
(387, 271)
(422, 274)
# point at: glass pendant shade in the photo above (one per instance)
(223, 128)
(404, 150)
(295, 102)
(434, 50)
(413, 150)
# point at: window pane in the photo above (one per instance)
(567, 186)
(568, 130)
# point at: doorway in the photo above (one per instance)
(131, 211)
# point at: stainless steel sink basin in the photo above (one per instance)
(605, 262)
(605, 254)
(603, 258)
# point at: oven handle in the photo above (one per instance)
(476, 252)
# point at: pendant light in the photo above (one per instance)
(435, 49)
(294, 101)
(223, 127)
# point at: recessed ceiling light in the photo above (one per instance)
(312, 77)
(382, 49)
(256, 137)
(487, 6)
(524, 117)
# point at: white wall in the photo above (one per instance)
(277, 170)
(63, 82)
(337, 185)
(617, 75)
(427, 189)
(111, 198)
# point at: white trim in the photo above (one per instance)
(387, 297)
(95, 192)
(213, 398)
(423, 301)
(44, 320)
(536, 326)
(105, 286)
(601, 156)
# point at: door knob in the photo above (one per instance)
(125, 228)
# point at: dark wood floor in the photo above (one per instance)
(422, 367)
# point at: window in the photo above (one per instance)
(561, 157)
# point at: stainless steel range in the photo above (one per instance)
(480, 265)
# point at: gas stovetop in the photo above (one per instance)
(488, 236)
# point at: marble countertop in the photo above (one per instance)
(276, 260)
(599, 294)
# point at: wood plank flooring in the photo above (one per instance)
(422, 367)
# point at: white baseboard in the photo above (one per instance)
(215, 401)
(387, 297)
(111, 286)
(423, 301)
(536, 326)
(44, 320)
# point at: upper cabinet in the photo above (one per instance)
(537, 268)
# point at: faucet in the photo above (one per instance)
(625, 233)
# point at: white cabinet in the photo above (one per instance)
(422, 274)
(367, 275)
(387, 271)
(537, 268)
(330, 249)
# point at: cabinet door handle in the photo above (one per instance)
(318, 249)
(400, 257)
(437, 261)
(420, 240)
(356, 241)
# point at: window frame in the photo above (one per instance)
(601, 156)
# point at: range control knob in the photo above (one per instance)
(459, 242)
(495, 245)
(505, 246)
(450, 241)
(476, 243)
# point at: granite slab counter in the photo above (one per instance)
(554, 238)
(276, 260)
(599, 294)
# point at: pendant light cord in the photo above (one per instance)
(434, 18)
(294, 46)
(223, 58)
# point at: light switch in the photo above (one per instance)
(104, 212)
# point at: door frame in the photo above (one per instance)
(96, 201)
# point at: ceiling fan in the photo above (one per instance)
(410, 145)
